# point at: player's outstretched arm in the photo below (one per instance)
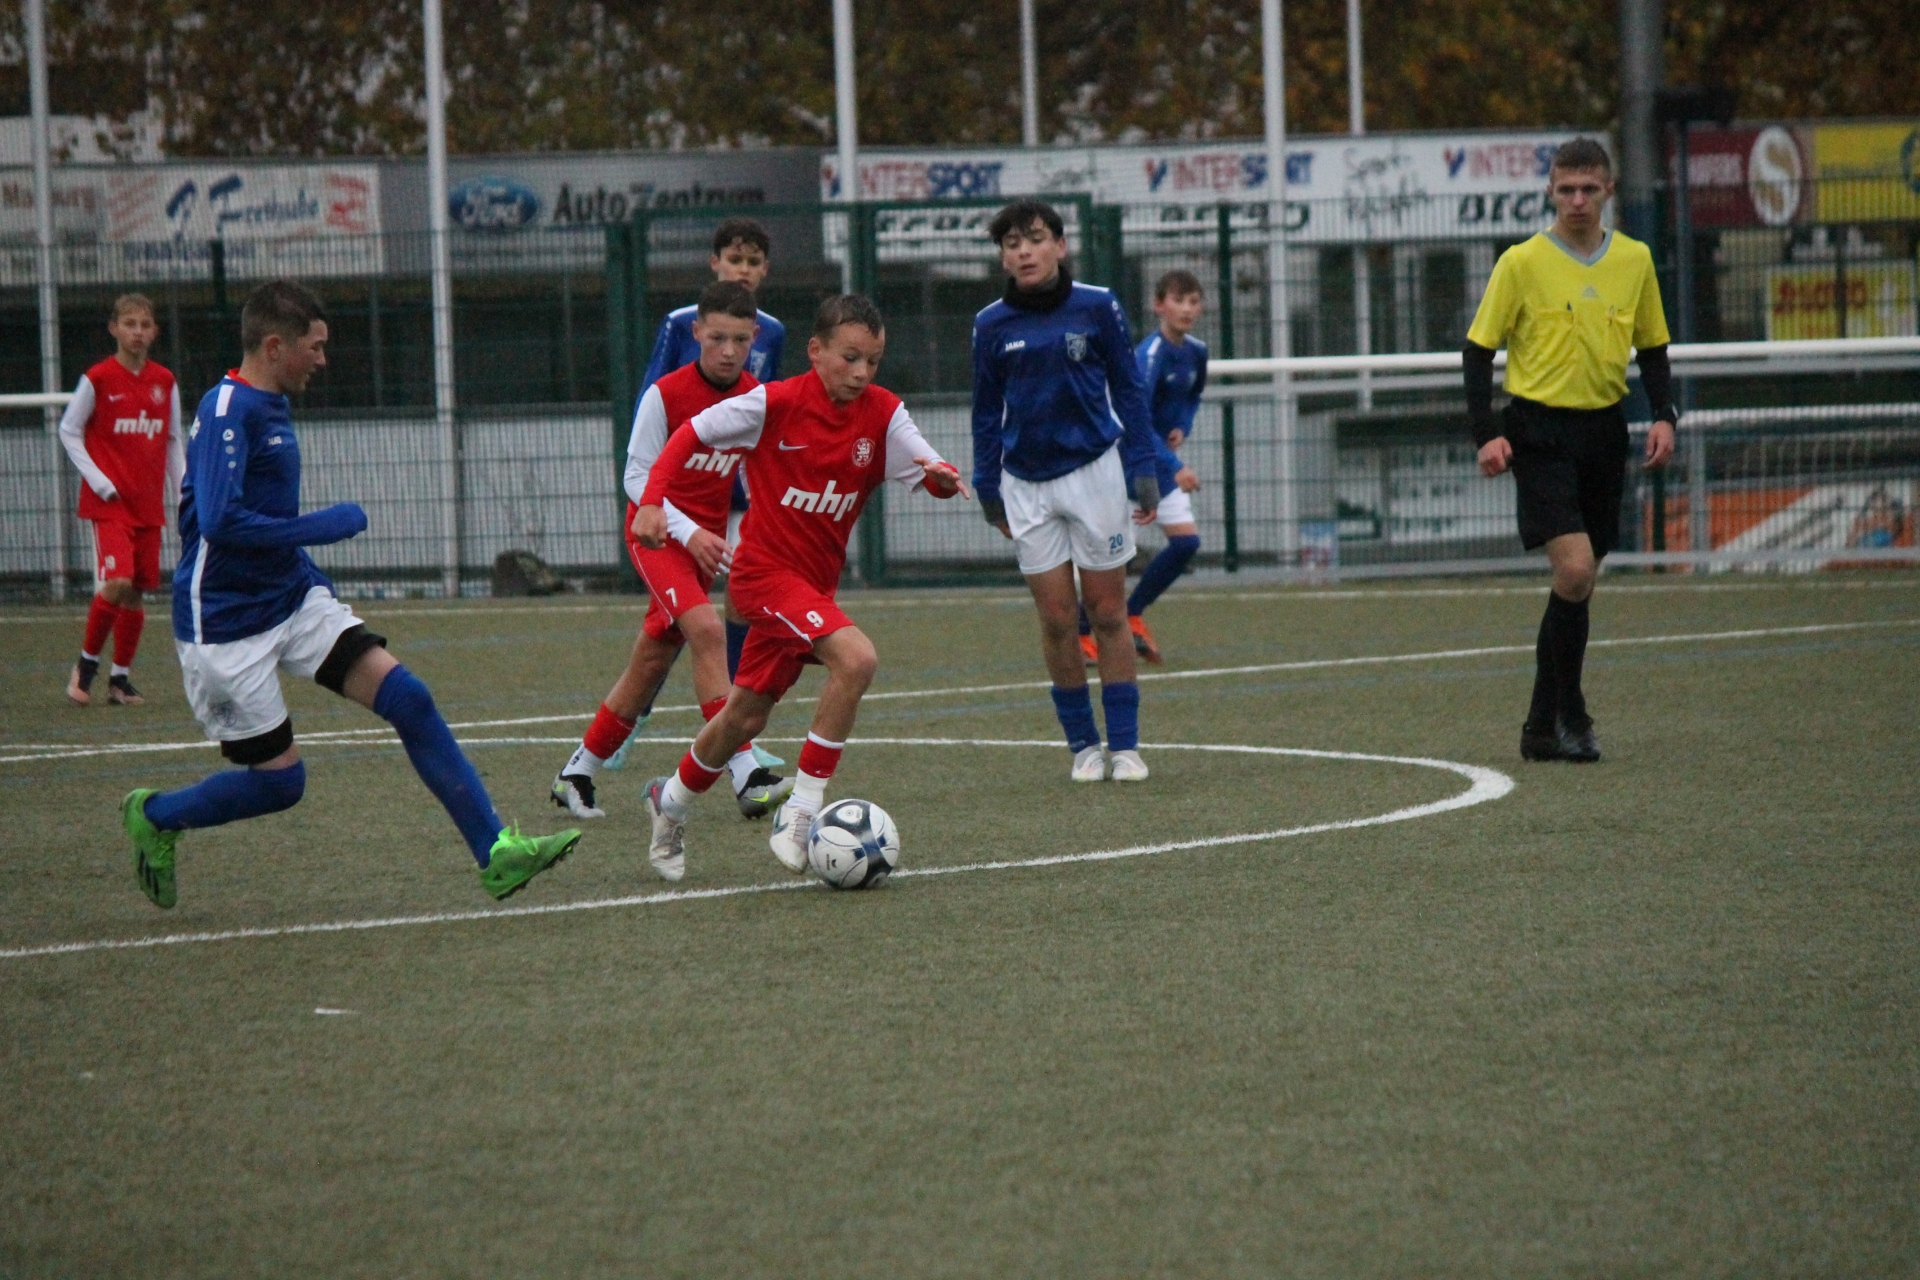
(226, 520)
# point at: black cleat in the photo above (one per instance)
(80, 682)
(121, 693)
(574, 793)
(1579, 745)
(1541, 744)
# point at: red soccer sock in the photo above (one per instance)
(100, 619)
(819, 758)
(126, 635)
(696, 777)
(712, 708)
(607, 732)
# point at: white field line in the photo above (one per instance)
(375, 735)
(1485, 785)
(1213, 589)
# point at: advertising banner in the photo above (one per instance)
(1754, 177)
(154, 222)
(1340, 190)
(1879, 301)
(1867, 172)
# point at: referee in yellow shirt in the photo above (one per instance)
(1568, 305)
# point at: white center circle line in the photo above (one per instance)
(1485, 785)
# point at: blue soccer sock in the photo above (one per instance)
(1163, 571)
(736, 641)
(1121, 704)
(1086, 623)
(228, 796)
(405, 703)
(1075, 709)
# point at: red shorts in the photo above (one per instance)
(674, 585)
(126, 551)
(787, 617)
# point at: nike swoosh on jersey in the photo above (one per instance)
(785, 445)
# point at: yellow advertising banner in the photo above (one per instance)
(1866, 172)
(1879, 301)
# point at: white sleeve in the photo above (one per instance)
(649, 437)
(176, 450)
(73, 434)
(904, 444)
(734, 423)
(679, 523)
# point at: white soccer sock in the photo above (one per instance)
(119, 670)
(583, 761)
(741, 767)
(676, 798)
(90, 657)
(809, 792)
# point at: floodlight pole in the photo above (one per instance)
(442, 267)
(1029, 78)
(1273, 77)
(1362, 279)
(846, 125)
(49, 296)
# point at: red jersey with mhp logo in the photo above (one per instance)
(122, 430)
(701, 488)
(811, 464)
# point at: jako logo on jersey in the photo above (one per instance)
(1018, 344)
(716, 462)
(862, 452)
(140, 426)
(826, 503)
(1076, 346)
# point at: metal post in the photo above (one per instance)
(1362, 276)
(846, 123)
(1029, 78)
(49, 296)
(1641, 70)
(1699, 517)
(442, 297)
(1229, 474)
(1273, 76)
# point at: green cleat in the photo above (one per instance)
(516, 859)
(152, 849)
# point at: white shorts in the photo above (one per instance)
(1174, 508)
(234, 688)
(1084, 516)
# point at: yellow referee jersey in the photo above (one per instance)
(1568, 325)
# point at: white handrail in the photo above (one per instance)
(1679, 353)
(37, 400)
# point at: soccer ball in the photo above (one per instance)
(854, 845)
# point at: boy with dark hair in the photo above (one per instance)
(743, 254)
(822, 441)
(248, 603)
(1173, 364)
(122, 430)
(1566, 304)
(679, 573)
(1059, 408)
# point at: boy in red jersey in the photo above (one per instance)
(695, 498)
(122, 430)
(815, 447)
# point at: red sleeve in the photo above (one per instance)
(670, 462)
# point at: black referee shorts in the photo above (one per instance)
(1569, 472)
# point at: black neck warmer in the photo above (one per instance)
(1045, 299)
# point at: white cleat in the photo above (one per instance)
(574, 793)
(1090, 764)
(792, 828)
(668, 850)
(1129, 767)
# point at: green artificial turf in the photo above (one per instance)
(1656, 1016)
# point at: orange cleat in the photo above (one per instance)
(1143, 642)
(1092, 650)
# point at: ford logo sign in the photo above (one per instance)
(493, 204)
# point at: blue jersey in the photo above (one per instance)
(1053, 390)
(242, 570)
(1175, 376)
(675, 347)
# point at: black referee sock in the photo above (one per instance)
(1565, 628)
(1546, 690)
